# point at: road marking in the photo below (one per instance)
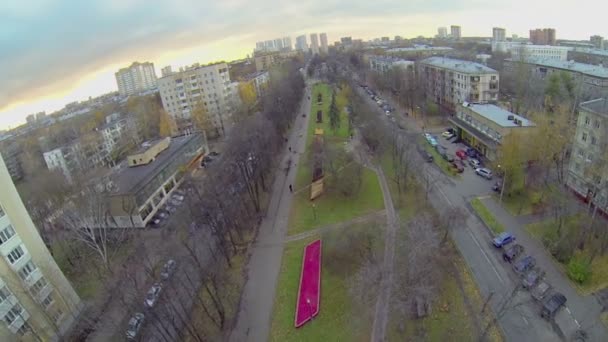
(484, 254)
(525, 320)
(567, 309)
(578, 325)
(445, 196)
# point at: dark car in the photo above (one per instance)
(458, 165)
(471, 152)
(214, 154)
(524, 264)
(497, 186)
(503, 239)
(552, 305)
(532, 278)
(512, 252)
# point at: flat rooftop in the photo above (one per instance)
(130, 179)
(420, 49)
(390, 59)
(599, 106)
(585, 69)
(458, 65)
(498, 115)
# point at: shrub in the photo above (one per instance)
(578, 270)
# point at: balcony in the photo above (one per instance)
(44, 292)
(22, 261)
(7, 304)
(19, 321)
(10, 244)
(33, 277)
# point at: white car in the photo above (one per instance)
(447, 135)
(152, 295)
(135, 324)
(483, 172)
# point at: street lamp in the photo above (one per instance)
(309, 308)
(314, 211)
(504, 180)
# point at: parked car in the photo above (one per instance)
(162, 214)
(441, 149)
(461, 154)
(532, 278)
(497, 186)
(448, 157)
(214, 154)
(458, 165)
(540, 291)
(503, 239)
(474, 163)
(207, 158)
(524, 264)
(483, 172)
(155, 222)
(552, 305)
(447, 135)
(471, 152)
(451, 130)
(178, 197)
(168, 269)
(135, 324)
(152, 295)
(433, 142)
(427, 156)
(427, 136)
(511, 253)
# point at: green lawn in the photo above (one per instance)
(486, 216)
(546, 231)
(522, 204)
(438, 159)
(338, 320)
(342, 132)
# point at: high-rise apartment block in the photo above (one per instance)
(442, 32)
(136, 78)
(449, 82)
(598, 42)
(37, 302)
(208, 86)
(324, 46)
(544, 36)
(277, 44)
(499, 34)
(455, 32)
(301, 44)
(314, 43)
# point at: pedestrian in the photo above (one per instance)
(289, 148)
(290, 188)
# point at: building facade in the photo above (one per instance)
(499, 34)
(301, 44)
(598, 42)
(324, 48)
(153, 173)
(588, 167)
(455, 32)
(549, 52)
(545, 36)
(483, 126)
(442, 32)
(449, 82)
(208, 86)
(37, 302)
(314, 43)
(67, 159)
(384, 64)
(259, 82)
(136, 78)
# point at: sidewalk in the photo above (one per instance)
(585, 309)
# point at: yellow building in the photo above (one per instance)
(483, 126)
(37, 303)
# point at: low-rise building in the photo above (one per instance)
(449, 82)
(587, 169)
(384, 64)
(138, 191)
(483, 126)
(37, 302)
(419, 51)
(591, 80)
(547, 52)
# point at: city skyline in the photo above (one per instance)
(173, 35)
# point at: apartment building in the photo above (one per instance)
(153, 173)
(598, 42)
(483, 126)
(68, 159)
(442, 32)
(419, 51)
(114, 131)
(259, 81)
(314, 44)
(37, 302)
(547, 52)
(11, 151)
(384, 64)
(324, 46)
(208, 86)
(455, 32)
(545, 36)
(449, 82)
(591, 80)
(136, 78)
(301, 44)
(587, 171)
(499, 34)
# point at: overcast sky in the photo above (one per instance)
(56, 51)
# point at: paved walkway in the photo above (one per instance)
(584, 309)
(255, 312)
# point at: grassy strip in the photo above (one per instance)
(486, 216)
(438, 159)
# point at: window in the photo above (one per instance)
(15, 254)
(6, 234)
(587, 121)
(26, 270)
(596, 124)
(23, 330)
(593, 140)
(584, 137)
(13, 314)
(46, 302)
(1, 212)
(4, 294)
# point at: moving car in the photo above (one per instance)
(532, 278)
(540, 291)
(503, 239)
(552, 305)
(483, 172)
(152, 295)
(168, 269)
(512, 252)
(135, 324)
(524, 264)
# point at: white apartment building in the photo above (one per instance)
(324, 47)
(314, 43)
(205, 85)
(301, 44)
(37, 302)
(449, 82)
(589, 154)
(546, 52)
(138, 77)
(67, 159)
(442, 32)
(499, 34)
(113, 131)
(384, 64)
